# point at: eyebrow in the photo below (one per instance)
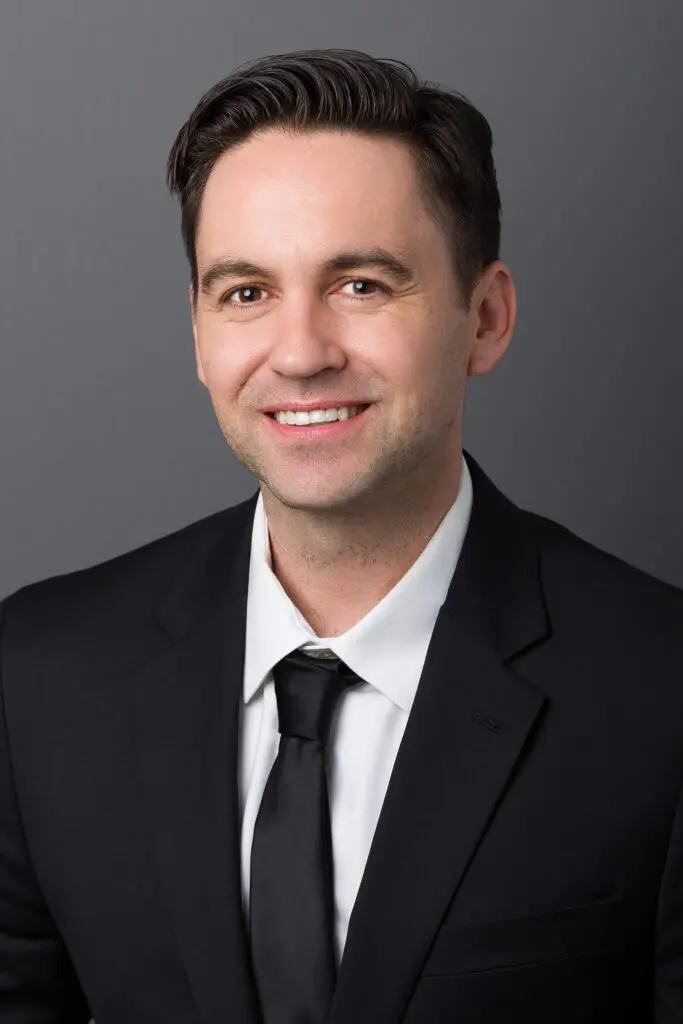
(376, 258)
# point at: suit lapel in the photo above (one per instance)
(463, 740)
(186, 706)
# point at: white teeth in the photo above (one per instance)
(301, 419)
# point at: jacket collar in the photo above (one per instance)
(497, 573)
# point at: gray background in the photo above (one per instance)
(107, 438)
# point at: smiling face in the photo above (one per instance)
(325, 281)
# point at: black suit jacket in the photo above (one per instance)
(528, 860)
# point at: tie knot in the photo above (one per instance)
(307, 690)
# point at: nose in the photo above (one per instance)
(307, 340)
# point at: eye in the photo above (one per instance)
(249, 292)
(362, 288)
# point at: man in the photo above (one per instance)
(375, 745)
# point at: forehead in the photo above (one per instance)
(311, 190)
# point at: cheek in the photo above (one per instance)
(431, 372)
(227, 364)
(418, 365)
(397, 349)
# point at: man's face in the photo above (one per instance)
(298, 327)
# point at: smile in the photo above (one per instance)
(318, 424)
(302, 419)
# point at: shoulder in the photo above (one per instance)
(117, 595)
(591, 592)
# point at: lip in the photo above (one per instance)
(324, 403)
(317, 431)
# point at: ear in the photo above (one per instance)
(197, 355)
(494, 311)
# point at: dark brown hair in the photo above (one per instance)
(351, 91)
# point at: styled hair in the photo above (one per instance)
(347, 90)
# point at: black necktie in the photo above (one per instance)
(291, 902)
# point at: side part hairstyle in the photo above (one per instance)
(347, 90)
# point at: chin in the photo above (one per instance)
(311, 498)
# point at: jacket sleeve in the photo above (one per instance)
(668, 981)
(38, 984)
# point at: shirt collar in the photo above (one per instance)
(388, 646)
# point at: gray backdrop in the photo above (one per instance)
(108, 439)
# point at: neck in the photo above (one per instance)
(336, 567)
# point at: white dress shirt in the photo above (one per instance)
(387, 648)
